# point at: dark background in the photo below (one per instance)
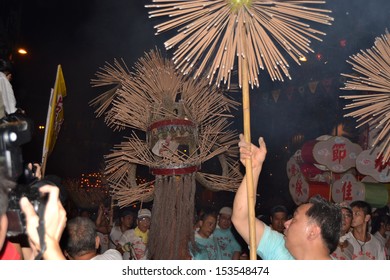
(83, 35)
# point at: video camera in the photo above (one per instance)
(15, 130)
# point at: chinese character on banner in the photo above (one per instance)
(379, 165)
(292, 168)
(348, 188)
(298, 189)
(339, 152)
(347, 191)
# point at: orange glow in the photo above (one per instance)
(22, 51)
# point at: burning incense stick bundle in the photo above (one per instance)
(211, 34)
(372, 76)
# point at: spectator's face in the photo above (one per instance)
(346, 219)
(277, 221)
(225, 221)
(127, 221)
(387, 227)
(358, 217)
(85, 214)
(144, 223)
(207, 226)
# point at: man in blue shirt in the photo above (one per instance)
(313, 232)
(230, 249)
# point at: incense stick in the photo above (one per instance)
(210, 36)
(372, 68)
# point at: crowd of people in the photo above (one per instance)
(317, 230)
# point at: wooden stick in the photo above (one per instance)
(248, 163)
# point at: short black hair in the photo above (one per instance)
(80, 236)
(125, 212)
(365, 206)
(278, 208)
(6, 66)
(206, 214)
(328, 217)
(378, 220)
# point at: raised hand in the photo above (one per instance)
(249, 150)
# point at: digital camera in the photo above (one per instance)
(15, 130)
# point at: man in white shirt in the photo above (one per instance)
(7, 100)
(125, 222)
(134, 241)
(366, 246)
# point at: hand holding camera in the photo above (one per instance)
(54, 223)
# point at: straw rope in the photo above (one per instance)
(148, 93)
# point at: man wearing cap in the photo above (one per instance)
(134, 241)
(230, 248)
(344, 249)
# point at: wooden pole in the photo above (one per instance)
(248, 163)
(43, 164)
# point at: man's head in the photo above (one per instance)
(316, 222)
(361, 212)
(225, 217)
(85, 213)
(6, 68)
(346, 214)
(126, 218)
(143, 219)
(278, 217)
(82, 238)
(208, 222)
(381, 223)
(5, 187)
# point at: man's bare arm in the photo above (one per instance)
(240, 206)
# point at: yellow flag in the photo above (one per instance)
(55, 116)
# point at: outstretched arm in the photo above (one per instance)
(102, 222)
(240, 217)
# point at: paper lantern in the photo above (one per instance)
(293, 167)
(338, 154)
(367, 163)
(349, 189)
(301, 190)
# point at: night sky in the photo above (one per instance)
(83, 35)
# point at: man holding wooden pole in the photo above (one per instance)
(313, 232)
